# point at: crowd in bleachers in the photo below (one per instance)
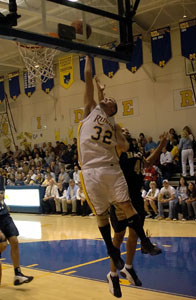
(57, 169)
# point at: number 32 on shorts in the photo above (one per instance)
(106, 138)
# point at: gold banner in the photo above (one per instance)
(66, 71)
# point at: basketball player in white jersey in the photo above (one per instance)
(102, 178)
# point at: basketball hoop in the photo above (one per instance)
(38, 61)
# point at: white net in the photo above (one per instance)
(38, 61)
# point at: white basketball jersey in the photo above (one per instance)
(97, 140)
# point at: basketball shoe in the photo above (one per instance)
(131, 276)
(21, 278)
(147, 247)
(114, 285)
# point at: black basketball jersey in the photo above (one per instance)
(131, 163)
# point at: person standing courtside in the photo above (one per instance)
(102, 178)
(8, 231)
(186, 148)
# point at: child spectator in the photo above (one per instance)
(151, 199)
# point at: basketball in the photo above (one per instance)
(78, 25)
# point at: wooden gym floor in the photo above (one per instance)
(67, 257)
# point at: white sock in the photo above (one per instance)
(128, 266)
(113, 274)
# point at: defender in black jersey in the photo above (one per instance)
(132, 163)
(8, 231)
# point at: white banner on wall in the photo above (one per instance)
(183, 99)
(76, 115)
(128, 107)
(39, 123)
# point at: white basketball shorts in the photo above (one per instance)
(104, 185)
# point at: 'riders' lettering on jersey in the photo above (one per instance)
(102, 120)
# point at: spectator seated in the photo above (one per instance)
(167, 196)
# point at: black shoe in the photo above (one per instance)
(148, 248)
(65, 214)
(21, 278)
(114, 286)
(117, 260)
(131, 276)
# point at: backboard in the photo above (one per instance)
(39, 21)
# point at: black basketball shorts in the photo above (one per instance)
(8, 227)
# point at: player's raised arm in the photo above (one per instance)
(89, 102)
(155, 154)
(100, 89)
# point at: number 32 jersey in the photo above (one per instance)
(97, 140)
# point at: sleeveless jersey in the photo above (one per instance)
(131, 163)
(97, 140)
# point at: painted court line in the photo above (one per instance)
(85, 264)
(34, 265)
(89, 263)
(71, 272)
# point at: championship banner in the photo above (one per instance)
(137, 55)
(110, 67)
(82, 65)
(48, 85)
(161, 46)
(2, 90)
(188, 39)
(66, 71)
(29, 87)
(4, 128)
(14, 85)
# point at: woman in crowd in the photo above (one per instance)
(186, 146)
(182, 195)
(142, 140)
(191, 201)
(174, 134)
